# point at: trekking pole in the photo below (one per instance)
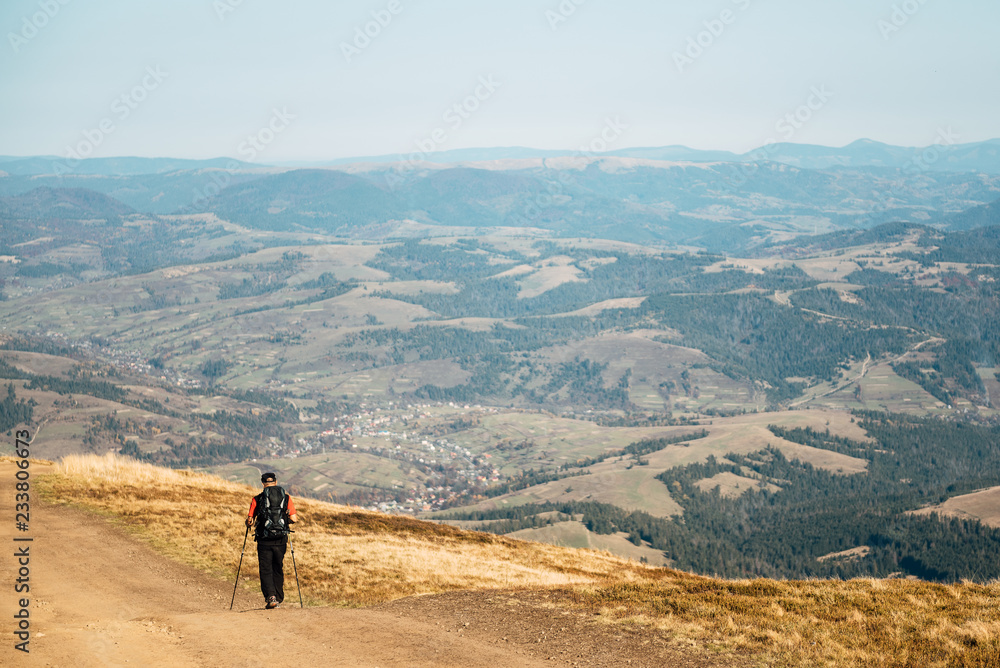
(296, 570)
(242, 551)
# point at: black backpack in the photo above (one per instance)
(271, 514)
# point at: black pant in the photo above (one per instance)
(272, 576)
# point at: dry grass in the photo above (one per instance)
(114, 470)
(353, 557)
(870, 623)
(344, 555)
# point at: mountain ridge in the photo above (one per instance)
(946, 154)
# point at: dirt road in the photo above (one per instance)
(100, 597)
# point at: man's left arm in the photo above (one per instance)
(292, 517)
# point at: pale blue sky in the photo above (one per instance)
(222, 78)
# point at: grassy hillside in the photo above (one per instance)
(346, 556)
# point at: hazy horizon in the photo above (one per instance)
(382, 77)
(403, 157)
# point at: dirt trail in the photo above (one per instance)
(100, 597)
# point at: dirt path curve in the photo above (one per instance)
(100, 597)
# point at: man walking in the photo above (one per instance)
(272, 511)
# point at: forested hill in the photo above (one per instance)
(801, 521)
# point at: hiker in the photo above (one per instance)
(273, 511)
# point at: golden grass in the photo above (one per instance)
(349, 556)
(114, 470)
(870, 623)
(344, 555)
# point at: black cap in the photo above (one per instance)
(268, 477)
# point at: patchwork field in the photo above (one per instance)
(620, 482)
(883, 389)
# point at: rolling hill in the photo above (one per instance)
(570, 605)
(716, 205)
(63, 204)
(669, 197)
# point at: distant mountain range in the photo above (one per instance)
(944, 156)
(717, 205)
(670, 195)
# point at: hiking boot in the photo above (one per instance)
(272, 603)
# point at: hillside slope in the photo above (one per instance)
(152, 611)
(104, 595)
